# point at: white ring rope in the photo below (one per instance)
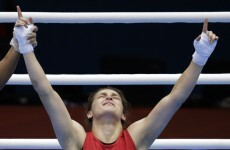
(158, 144)
(118, 17)
(120, 79)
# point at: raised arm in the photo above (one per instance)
(8, 65)
(145, 131)
(70, 134)
(10, 61)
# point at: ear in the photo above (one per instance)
(123, 117)
(89, 114)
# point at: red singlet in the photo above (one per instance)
(124, 142)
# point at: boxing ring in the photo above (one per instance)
(120, 79)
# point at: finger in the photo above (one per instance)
(31, 36)
(210, 34)
(24, 20)
(19, 12)
(34, 44)
(198, 38)
(30, 20)
(35, 29)
(214, 38)
(31, 41)
(205, 25)
(20, 23)
(20, 16)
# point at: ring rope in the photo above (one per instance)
(158, 144)
(118, 17)
(120, 79)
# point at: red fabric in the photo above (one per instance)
(124, 142)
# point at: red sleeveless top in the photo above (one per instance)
(123, 142)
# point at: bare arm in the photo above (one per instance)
(67, 133)
(8, 65)
(145, 131)
(158, 118)
(10, 61)
(70, 134)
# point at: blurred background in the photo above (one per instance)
(149, 48)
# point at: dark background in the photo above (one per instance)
(120, 49)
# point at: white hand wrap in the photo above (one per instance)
(21, 35)
(14, 43)
(203, 49)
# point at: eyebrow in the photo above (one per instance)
(104, 93)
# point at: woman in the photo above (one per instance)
(107, 107)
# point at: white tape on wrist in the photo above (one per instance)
(14, 43)
(203, 49)
(21, 35)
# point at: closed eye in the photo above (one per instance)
(116, 97)
(101, 96)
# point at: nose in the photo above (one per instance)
(109, 98)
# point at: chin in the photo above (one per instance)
(110, 111)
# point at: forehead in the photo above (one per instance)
(107, 91)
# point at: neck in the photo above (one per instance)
(107, 130)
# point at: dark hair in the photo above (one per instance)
(125, 103)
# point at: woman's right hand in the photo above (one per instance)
(30, 37)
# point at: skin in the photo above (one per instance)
(9, 62)
(107, 109)
(8, 65)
